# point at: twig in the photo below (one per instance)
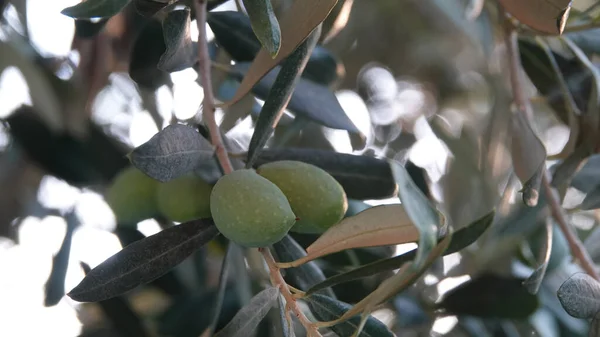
(515, 69)
(208, 103)
(285, 291)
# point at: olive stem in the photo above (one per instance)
(285, 291)
(558, 213)
(208, 103)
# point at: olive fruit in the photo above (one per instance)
(250, 210)
(315, 196)
(132, 196)
(185, 198)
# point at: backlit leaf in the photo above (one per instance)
(420, 211)
(296, 25)
(264, 24)
(376, 226)
(174, 151)
(460, 240)
(547, 16)
(580, 296)
(143, 261)
(248, 318)
(95, 9)
(279, 96)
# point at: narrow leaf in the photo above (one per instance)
(220, 295)
(55, 286)
(143, 261)
(248, 318)
(180, 53)
(377, 226)
(328, 309)
(595, 327)
(547, 16)
(309, 100)
(580, 296)
(173, 152)
(422, 214)
(491, 296)
(95, 9)
(362, 177)
(405, 277)
(534, 281)
(460, 240)
(264, 24)
(296, 25)
(529, 157)
(279, 96)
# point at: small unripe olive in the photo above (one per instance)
(315, 196)
(184, 199)
(250, 210)
(132, 196)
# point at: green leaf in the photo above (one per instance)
(148, 8)
(279, 96)
(233, 32)
(143, 261)
(460, 240)
(248, 318)
(180, 52)
(541, 15)
(55, 286)
(362, 177)
(490, 296)
(304, 276)
(147, 51)
(264, 24)
(587, 178)
(328, 309)
(173, 152)
(580, 296)
(95, 9)
(220, 295)
(423, 214)
(534, 281)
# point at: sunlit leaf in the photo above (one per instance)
(264, 24)
(179, 53)
(173, 152)
(547, 16)
(279, 96)
(143, 261)
(490, 296)
(420, 211)
(95, 9)
(376, 226)
(362, 177)
(529, 158)
(328, 309)
(296, 25)
(460, 240)
(248, 318)
(580, 296)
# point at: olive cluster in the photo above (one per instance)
(254, 208)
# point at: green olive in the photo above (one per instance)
(184, 199)
(132, 196)
(315, 196)
(250, 210)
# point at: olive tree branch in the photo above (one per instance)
(208, 103)
(558, 213)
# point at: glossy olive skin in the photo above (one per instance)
(184, 199)
(250, 210)
(315, 196)
(132, 196)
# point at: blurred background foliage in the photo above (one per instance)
(423, 82)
